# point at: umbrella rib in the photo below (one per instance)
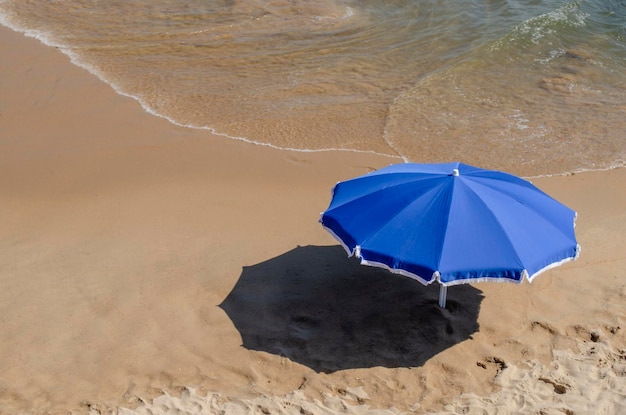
(521, 183)
(535, 212)
(403, 271)
(391, 186)
(377, 195)
(494, 217)
(399, 212)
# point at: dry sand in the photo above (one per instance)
(148, 268)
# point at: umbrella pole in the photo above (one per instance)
(443, 294)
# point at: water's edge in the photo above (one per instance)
(75, 60)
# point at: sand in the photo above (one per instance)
(149, 268)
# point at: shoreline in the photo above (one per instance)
(75, 60)
(392, 152)
(126, 233)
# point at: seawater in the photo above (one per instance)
(527, 86)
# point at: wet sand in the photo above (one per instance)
(150, 267)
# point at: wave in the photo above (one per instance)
(76, 59)
(540, 100)
(542, 93)
(548, 25)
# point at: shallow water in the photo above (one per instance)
(532, 87)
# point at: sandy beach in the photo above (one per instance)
(150, 268)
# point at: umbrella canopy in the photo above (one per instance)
(451, 223)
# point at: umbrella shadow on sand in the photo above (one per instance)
(317, 307)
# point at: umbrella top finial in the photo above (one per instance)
(455, 172)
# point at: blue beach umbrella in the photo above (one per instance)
(451, 223)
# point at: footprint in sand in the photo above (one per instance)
(496, 364)
(559, 387)
(541, 325)
(584, 333)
